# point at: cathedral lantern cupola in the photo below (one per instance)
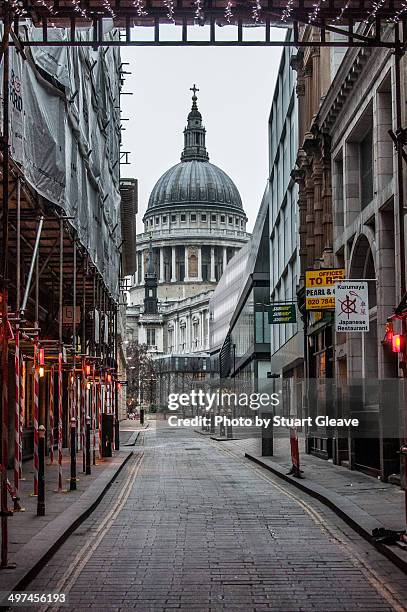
(194, 134)
(150, 283)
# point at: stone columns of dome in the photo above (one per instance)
(173, 266)
(199, 279)
(212, 277)
(225, 258)
(162, 279)
(186, 274)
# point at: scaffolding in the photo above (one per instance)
(61, 249)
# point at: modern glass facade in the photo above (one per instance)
(283, 211)
(238, 308)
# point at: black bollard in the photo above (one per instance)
(141, 416)
(267, 442)
(222, 430)
(116, 418)
(72, 480)
(212, 422)
(41, 471)
(229, 431)
(88, 470)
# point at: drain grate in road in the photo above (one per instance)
(193, 448)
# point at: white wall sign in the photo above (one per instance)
(351, 306)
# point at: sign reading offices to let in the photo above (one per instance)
(352, 307)
(320, 288)
(282, 313)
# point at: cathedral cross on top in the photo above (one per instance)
(194, 89)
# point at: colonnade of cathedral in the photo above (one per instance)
(185, 263)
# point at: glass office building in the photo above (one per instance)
(240, 332)
(286, 342)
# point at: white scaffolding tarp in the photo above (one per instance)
(65, 134)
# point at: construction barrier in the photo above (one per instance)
(36, 416)
(59, 422)
(17, 413)
(51, 415)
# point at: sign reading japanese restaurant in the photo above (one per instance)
(352, 307)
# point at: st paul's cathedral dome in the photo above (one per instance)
(194, 182)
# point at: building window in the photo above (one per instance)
(203, 217)
(183, 217)
(230, 220)
(193, 217)
(157, 220)
(366, 169)
(237, 222)
(173, 218)
(222, 218)
(150, 336)
(213, 217)
(165, 219)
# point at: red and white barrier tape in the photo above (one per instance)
(51, 415)
(22, 414)
(59, 422)
(17, 412)
(36, 416)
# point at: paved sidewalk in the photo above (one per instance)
(31, 537)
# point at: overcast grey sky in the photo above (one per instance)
(236, 86)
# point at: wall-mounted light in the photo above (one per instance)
(397, 344)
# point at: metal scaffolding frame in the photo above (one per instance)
(48, 251)
(331, 17)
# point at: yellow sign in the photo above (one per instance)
(320, 288)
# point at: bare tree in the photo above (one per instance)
(141, 380)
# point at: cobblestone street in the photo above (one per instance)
(190, 526)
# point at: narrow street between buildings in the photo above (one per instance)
(191, 525)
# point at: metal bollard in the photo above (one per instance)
(222, 430)
(267, 442)
(72, 480)
(87, 458)
(212, 421)
(116, 418)
(141, 416)
(229, 431)
(41, 471)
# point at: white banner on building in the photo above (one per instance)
(351, 306)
